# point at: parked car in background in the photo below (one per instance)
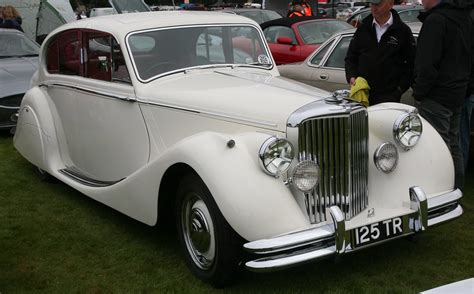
(408, 13)
(165, 122)
(18, 63)
(100, 11)
(258, 15)
(293, 39)
(324, 68)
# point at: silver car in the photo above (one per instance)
(324, 68)
(18, 63)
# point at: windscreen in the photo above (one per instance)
(162, 51)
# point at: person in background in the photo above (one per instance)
(11, 18)
(442, 70)
(465, 129)
(382, 52)
(305, 8)
(298, 11)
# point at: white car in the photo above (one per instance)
(185, 114)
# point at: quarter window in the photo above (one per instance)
(91, 54)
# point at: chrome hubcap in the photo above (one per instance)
(198, 230)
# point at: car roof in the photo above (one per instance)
(121, 24)
(244, 9)
(398, 8)
(289, 21)
(414, 26)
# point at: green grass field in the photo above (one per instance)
(55, 240)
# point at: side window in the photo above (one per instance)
(52, 57)
(119, 68)
(105, 60)
(273, 33)
(99, 57)
(69, 48)
(320, 55)
(336, 59)
(409, 15)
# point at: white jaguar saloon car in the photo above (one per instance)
(183, 116)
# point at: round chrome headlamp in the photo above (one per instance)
(386, 157)
(306, 175)
(276, 155)
(407, 130)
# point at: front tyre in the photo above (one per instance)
(211, 248)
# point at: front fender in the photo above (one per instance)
(255, 204)
(428, 165)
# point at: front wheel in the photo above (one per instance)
(211, 247)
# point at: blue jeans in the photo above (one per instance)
(465, 128)
(446, 121)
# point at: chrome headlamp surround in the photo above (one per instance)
(386, 157)
(407, 130)
(276, 155)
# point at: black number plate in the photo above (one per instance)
(375, 232)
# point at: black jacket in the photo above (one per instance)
(387, 66)
(443, 58)
(470, 88)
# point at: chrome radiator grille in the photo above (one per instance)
(339, 145)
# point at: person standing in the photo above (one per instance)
(465, 129)
(442, 69)
(11, 18)
(298, 11)
(382, 52)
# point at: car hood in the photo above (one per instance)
(254, 98)
(15, 74)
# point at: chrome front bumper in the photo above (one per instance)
(331, 239)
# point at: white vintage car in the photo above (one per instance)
(184, 115)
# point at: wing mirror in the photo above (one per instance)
(285, 40)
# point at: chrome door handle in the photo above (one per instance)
(323, 76)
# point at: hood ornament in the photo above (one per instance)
(338, 96)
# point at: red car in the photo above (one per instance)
(293, 39)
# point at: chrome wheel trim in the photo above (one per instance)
(198, 231)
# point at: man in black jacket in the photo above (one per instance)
(442, 69)
(382, 52)
(465, 129)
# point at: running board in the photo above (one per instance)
(78, 177)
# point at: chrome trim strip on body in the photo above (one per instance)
(332, 239)
(143, 101)
(87, 90)
(215, 114)
(78, 177)
(10, 107)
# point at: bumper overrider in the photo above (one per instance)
(333, 239)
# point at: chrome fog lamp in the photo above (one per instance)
(407, 130)
(276, 155)
(386, 157)
(306, 175)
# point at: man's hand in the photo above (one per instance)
(352, 81)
